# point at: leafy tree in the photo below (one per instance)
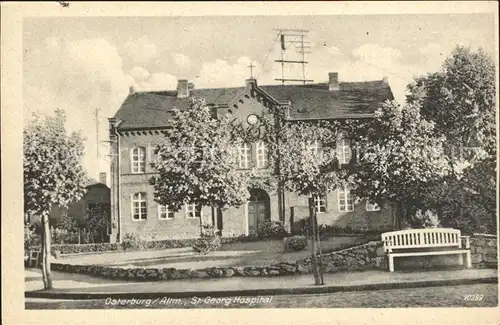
(197, 161)
(98, 222)
(53, 174)
(303, 160)
(398, 159)
(460, 99)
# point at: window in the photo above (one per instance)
(346, 202)
(372, 206)
(262, 158)
(344, 151)
(139, 206)
(138, 156)
(193, 211)
(314, 147)
(164, 213)
(245, 155)
(320, 204)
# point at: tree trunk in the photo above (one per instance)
(315, 267)
(46, 274)
(320, 254)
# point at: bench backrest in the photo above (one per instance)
(416, 238)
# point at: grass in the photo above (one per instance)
(264, 252)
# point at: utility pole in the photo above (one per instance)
(97, 131)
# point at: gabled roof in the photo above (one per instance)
(311, 101)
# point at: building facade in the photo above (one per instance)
(136, 129)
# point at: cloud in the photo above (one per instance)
(181, 61)
(141, 50)
(78, 76)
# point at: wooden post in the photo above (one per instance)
(312, 214)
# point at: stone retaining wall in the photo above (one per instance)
(369, 256)
(484, 250)
(358, 258)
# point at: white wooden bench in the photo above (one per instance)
(423, 242)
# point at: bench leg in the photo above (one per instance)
(468, 259)
(391, 263)
(461, 259)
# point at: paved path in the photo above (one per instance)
(65, 283)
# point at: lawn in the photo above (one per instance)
(259, 253)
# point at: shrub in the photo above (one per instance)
(297, 243)
(205, 244)
(272, 229)
(131, 241)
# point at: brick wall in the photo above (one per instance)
(358, 219)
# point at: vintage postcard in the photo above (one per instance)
(308, 158)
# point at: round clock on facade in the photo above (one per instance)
(252, 119)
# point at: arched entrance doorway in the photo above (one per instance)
(258, 209)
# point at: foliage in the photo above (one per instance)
(297, 243)
(197, 161)
(31, 238)
(292, 161)
(271, 229)
(97, 222)
(132, 241)
(206, 244)
(53, 174)
(64, 236)
(460, 99)
(399, 158)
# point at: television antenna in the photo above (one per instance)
(293, 37)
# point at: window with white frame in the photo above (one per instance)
(346, 202)
(262, 154)
(371, 206)
(314, 147)
(193, 211)
(138, 160)
(344, 153)
(139, 206)
(320, 203)
(244, 155)
(164, 213)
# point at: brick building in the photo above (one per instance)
(136, 129)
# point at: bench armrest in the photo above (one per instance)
(467, 241)
(388, 245)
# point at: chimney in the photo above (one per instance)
(182, 88)
(333, 81)
(250, 83)
(103, 178)
(385, 80)
(131, 90)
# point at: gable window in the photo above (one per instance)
(164, 213)
(262, 155)
(344, 151)
(244, 155)
(346, 202)
(139, 206)
(372, 206)
(193, 211)
(138, 160)
(320, 203)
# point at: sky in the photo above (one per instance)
(81, 64)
